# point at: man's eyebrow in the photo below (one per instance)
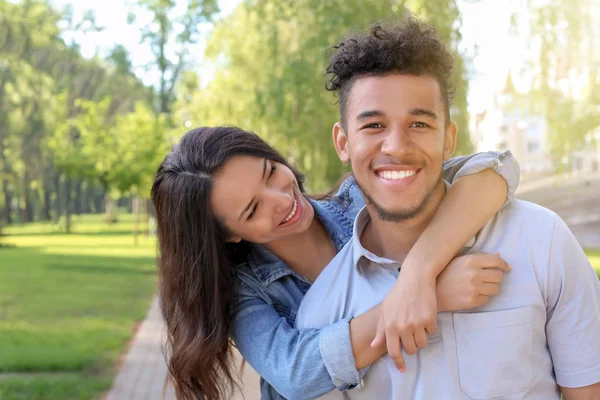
(252, 201)
(423, 112)
(370, 113)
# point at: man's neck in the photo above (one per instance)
(393, 240)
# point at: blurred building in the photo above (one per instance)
(510, 125)
(588, 159)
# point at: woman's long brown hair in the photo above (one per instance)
(196, 279)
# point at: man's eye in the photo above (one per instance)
(374, 125)
(420, 125)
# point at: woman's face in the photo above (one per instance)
(259, 200)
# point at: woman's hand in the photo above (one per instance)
(411, 306)
(469, 281)
(409, 313)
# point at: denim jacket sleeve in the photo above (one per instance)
(299, 364)
(503, 163)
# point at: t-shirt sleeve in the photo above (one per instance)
(573, 310)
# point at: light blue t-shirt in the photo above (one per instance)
(542, 329)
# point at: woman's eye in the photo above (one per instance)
(273, 168)
(252, 213)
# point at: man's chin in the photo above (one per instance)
(396, 214)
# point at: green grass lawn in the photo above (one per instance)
(68, 305)
(594, 257)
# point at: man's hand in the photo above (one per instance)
(469, 281)
(408, 313)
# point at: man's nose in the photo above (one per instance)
(396, 143)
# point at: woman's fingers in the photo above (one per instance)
(420, 338)
(407, 338)
(488, 289)
(395, 353)
(379, 335)
(484, 260)
(491, 276)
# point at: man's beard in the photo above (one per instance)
(403, 215)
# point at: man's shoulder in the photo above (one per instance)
(526, 213)
(328, 289)
(342, 262)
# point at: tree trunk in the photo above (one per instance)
(78, 197)
(98, 202)
(135, 208)
(87, 198)
(7, 202)
(28, 210)
(145, 217)
(109, 208)
(46, 202)
(58, 198)
(68, 205)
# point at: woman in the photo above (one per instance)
(238, 251)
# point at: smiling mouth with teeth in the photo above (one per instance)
(292, 213)
(396, 175)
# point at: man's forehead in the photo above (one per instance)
(372, 91)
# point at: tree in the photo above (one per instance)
(42, 79)
(563, 37)
(270, 58)
(169, 30)
(120, 151)
(23, 29)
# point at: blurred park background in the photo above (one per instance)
(94, 93)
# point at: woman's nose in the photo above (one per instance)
(281, 200)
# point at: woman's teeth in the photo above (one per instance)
(292, 213)
(396, 175)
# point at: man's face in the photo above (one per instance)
(396, 141)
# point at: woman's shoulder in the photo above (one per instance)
(348, 192)
(350, 197)
(258, 269)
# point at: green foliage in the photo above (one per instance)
(140, 145)
(58, 111)
(68, 305)
(170, 35)
(121, 152)
(270, 58)
(563, 36)
(594, 257)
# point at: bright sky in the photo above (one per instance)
(485, 27)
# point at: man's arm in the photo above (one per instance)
(572, 296)
(591, 392)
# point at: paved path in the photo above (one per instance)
(577, 202)
(143, 371)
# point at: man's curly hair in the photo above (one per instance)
(408, 48)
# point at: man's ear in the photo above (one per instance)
(450, 142)
(340, 141)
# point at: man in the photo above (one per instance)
(540, 336)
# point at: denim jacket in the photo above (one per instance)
(304, 364)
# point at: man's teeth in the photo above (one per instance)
(396, 175)
(292, 213)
